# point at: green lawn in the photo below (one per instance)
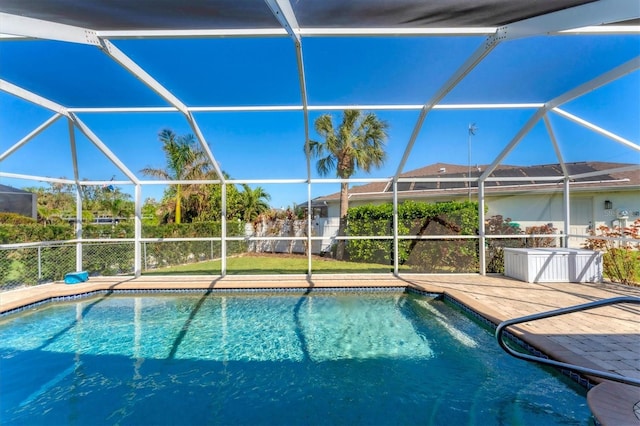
(249, 264)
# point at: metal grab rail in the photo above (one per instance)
(583, 307)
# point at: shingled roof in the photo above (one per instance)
(4, 189)
(444, 172)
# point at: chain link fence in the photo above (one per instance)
(163, 254)
(33, 264)
(37, 263)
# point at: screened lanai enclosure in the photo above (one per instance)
(509, 124)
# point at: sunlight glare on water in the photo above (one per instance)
(322, 358)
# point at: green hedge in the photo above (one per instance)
(416, 219)
(49, 263)
(30, 233)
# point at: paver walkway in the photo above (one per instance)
(608, 336)
(605, 338)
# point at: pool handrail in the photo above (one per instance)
(548, 314)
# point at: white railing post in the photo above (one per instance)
(482, 252)
(223, 232)
(78, 228)
(566, 212)
(396, 244)
(137, 247)
(39, 263)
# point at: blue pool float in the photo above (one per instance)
(76, 277)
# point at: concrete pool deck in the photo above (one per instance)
(605, 338)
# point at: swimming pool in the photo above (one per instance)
(286, 358)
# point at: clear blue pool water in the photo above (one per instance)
(285, 359)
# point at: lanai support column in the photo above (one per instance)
(78, 228)
(223, 231)
(482, 252)
(137, 236)
(566, 202)
(309, 220)
(283, 12)
(395, 228)
(78, 224)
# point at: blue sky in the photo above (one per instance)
(247, 71)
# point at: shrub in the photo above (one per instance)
(416, 219)
(498, 225)
(535, 241)
(15, 219)
(620, 258)
(34, 232)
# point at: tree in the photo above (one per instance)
(184, 161)
(358, 144)
(149, 212)
(107, 200)
(253, 202)
(55, 202)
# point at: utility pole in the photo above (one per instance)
(472, 131)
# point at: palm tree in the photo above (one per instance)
(253, 202)
(184, 161)
(358, 144)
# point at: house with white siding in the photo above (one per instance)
(601, 193)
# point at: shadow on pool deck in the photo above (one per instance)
(605, 338)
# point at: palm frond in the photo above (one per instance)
(325, 165)
(158, 173)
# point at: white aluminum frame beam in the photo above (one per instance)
(341, 32)
(74, 152)
(36, 178)
(566, 209)
(199, 33)
(481, 231)
(283, 108)
(137, 231)
(585, 15)
(223, 230)
(204, 145)
(283, 12)
(394, 31)
(103, 148)
(127, 63)
(61, 110)
(625, 169)
(30, 136)
(76, 178)
(37, 28)
(603, 30)
(591, 85)
(556, 147)
(566, 212)
(603, 11)
(334, 32)
(601, 80)
(514, 142)
(472, 61)
(597, 129)
(19, 92)
(396, 219)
